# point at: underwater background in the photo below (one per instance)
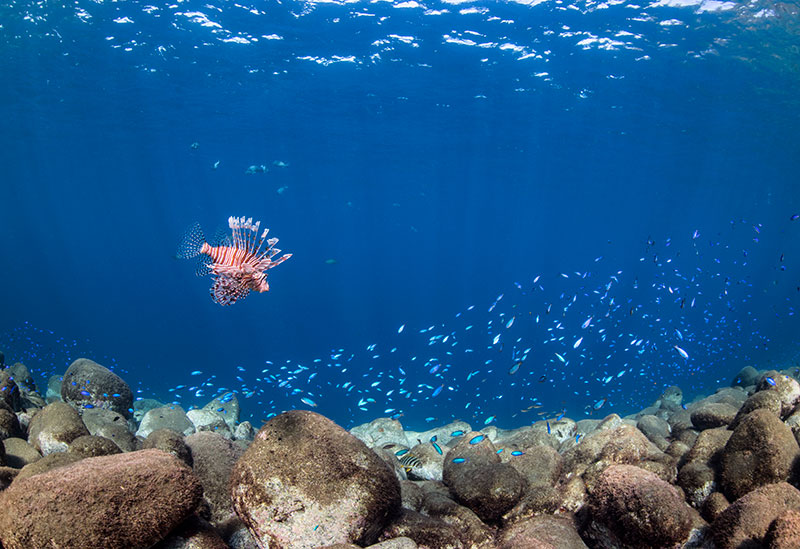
(497, 211)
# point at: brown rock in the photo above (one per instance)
(425, 531)
(171, 442)
(761, 450)
(541, 532)
(745, 522)
(713, 414)
(54, 427)
(213, 459)
(193, 533)
(713, 506)
(639, 508)
(93, 446)
(19, 453)
(124, 501)
(784, 532)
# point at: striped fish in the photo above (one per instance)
(239, 264)
(409, 461)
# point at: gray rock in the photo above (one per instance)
(193, 533)
(540, 532)
(171, 442)
(54, 427)
(9, 392)
(22, 376)
(110, 425)
(19, 453)
(655, 429)
(787, 389)
(9, 424)
(87, 384)
(167, 417)
(213, 459)
(424, 531)
(306, 482)
(53, 393)
(204, 420)
(380, 432)
(227, 407)
(143, 405)
(713, 415)
(244, 431)
(746, 377)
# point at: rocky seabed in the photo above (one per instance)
(84, 466)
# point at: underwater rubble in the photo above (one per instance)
(85, 466)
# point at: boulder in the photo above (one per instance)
(761, 450)
(124, 501)
(171, 442)
(784, 532)
(713, 414)
(541, 532)
(9, 424)
(227, 407)
(747, 377)
(640, 509)
(244, 431)
(166, 417)
(306, 482)
(87, 384)
(205, 420)
(213, 458)
(745, 522)
(425, 531)
(193, 533)
(93, 446)
(380, 432)
(111, 425)
(656, 430)
(787, 388)
(474, 533)
(9, 392)
(54, 427)
(19, 453)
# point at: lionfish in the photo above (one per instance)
(238, 265)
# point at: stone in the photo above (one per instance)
(48, 463)
(473, 532)
(111, 425)
(746, 377)
(19, 453)
(171, 442)
(53, 389)
(541, 532)
(381, 431)
(426, 532)
(768, 400)
(54, 427)
(124, 501)
(244, 431)
(784, 532)
(761, 450)
(786, 388)
(9, 424)
(618, 445)
(193, 533)
(22, 376)
(655, 429)
(204, 420)
(709, 446)
(227, 407)
(9, 392)
(395, 543)
(698, 482)
(93, 446)
(540, 465)
(672, 395)
(481, 482)
(713, 506)
(7, 476)
(166, 417)
(639, 508)
(305, 482)
(213, 458)
(745, 522)
(143, 405)
(87, 384)
(713, 414)
(426, 463)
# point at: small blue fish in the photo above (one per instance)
(499, 451)
(88, 405)
(434, 438)
(770, 381)
(476, 439)
(437, 391)
(437, 448)
(458, 433)
(517, 453)
(577, 437)
(402, 452)
(489, 420)
(86, 393)
(459, 460)
(548, 427)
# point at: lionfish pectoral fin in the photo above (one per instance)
(203, 266)
(226, 290)
(191, 242)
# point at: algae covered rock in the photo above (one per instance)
(640, 509)
(123, 501)
(90, 385)
(54, 427)
(305, 482)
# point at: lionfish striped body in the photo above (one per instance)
(239, 264)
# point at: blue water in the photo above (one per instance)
(642, 159)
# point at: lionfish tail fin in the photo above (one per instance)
(192, 242)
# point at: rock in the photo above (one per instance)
(639, 508)
(53, 393)
(473, 532)
(655, 429)
(306, 482)
(708, 447)
(111, 425)
(444, 434)
(203, 420)
(787, 389)
(713, 414)
(746, 377)
(171, 442)
(698, 482)
(193, 533)
(93, 446)
(124, 501)
(784, 532)
(244, 431)
(679, 421)
(745, 522)
(9, 392)
(227, 407)
(143, 405)
(768, 400)
(19, 453)
(541, 532)
(167, 417)
(713, 506)
(214, 457)
(425, 531)
(672, 395)
(761, 450)
(540, 465)
(618, 445)
(7, 476)
(2, 359)
(9, 424)
(481, 482)
(424, 462)
(54, 427)
(87, 384)
(380, 432)
(22, 377)
(395, 543)
(527, 437)
(48, 463)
